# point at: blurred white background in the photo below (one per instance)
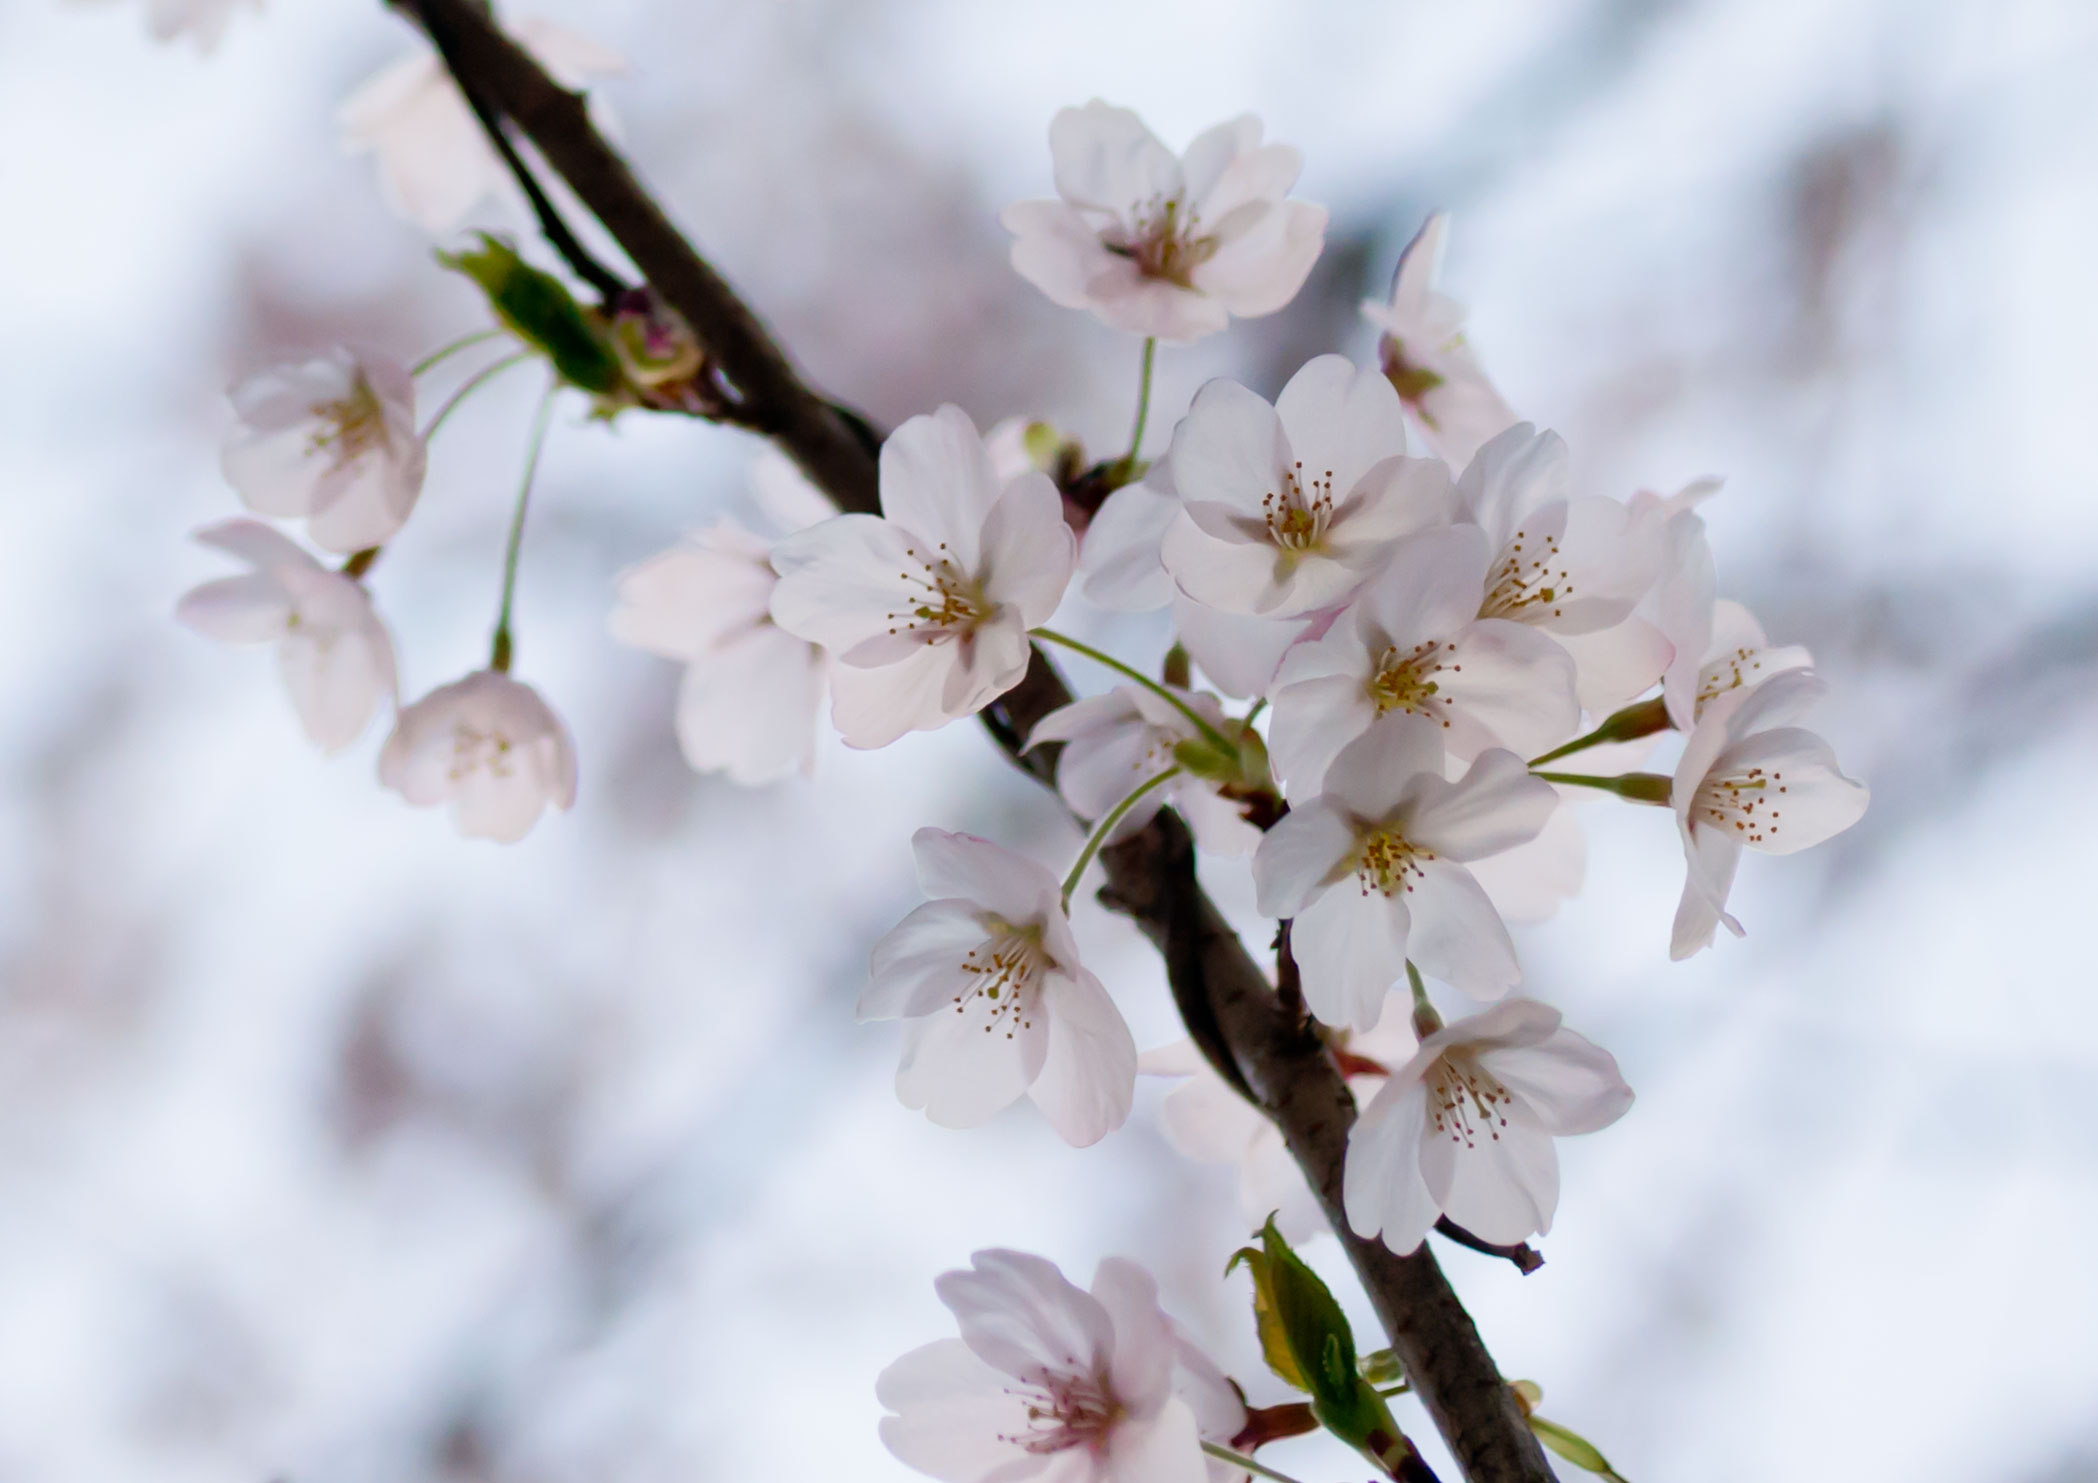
(333, 1148)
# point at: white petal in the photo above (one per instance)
(1088, 1076)
(1305, 850)
(1107, 160)
(1615, 665)
(1712, 859)
(1057, 250)
(685, 601)
(962, 1067)
(916, 967)
(937, 482)
(1118, 562)
(750, 708)
(1457, 935)
(336, 682)
(1164, 1449)
(785, 494)
(1351, 946)
(964, 867)
(1028, 550)
(1807, 797)
(955, 1414)
(1340, 422)
(873, 707)
(1313, 720)
(1567, 1084)
(1145, 1348)
(1229, 450)
(1496, 806)
(1381, 1185)
(1511, 478)
(1258, 272)
(1501, 1185)
(1021, 1315)
(1393, 760)
(1429, 589)
(247, 609)
(260, 546)
(1236, 653)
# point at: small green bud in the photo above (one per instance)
(539, 310)
(1206, 760)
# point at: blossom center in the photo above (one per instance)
(1529, 583)
(1728, 672)
(1004, 974)
(1465, 1101)
(350, 427)
(1406, 682)
(1299, 513)
(1744, 803)
(1064, 1411)
(1388, 862)
(474, 750)
(1162, 241)
(944, 600)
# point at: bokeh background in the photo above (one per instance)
(334, 1148)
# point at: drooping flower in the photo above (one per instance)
(926, 607)
(1427, 358)
(988, 975)
(331, 441)
(488, 745)
(1465, 1128)
(1162, 245)
(1750, 777)
(1373, 871)
(1286, 508)
(1411, 644)
(332, 651)
(435, 163)
(752, 692)
(1051, 1382)
(1116, 742)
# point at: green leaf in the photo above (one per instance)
(538, 309)
(1575, 1448)
(1274, 1344)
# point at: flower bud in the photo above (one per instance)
(654, 344)
(538, 308)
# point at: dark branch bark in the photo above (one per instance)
(1268, 1051)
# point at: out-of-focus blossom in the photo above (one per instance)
(1749, 777)
(1286, 508)
(1164, 245)
(489, 746)
(332, 651)
(987, 973)
(435, 163)
(752, 692)
(1207, 1121)
(331, 441)
(1372, 869)
(1465, 1128)
(1427, 358)
(1051, 1382)
(1411, 644)
(1115, 742)
(926, 607)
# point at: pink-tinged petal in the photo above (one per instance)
(1229, 450)
(1092, 714)
(840, 581)
(1510, 1023)
(1381, 1185)
(1146, 1348)
(273, 470)
(1512, 478)
(954, 1422)
(1806, 797)
(963, 867)
(248, 609)
(684, 602)
(1511, 685)
(1314, 719)
(1124, 299)
(1237, 654)
(366, 504)
(1782, 700)
(1712, 859)
(1019, 1314)
(988, 663)
(750, 708)
(1240, 577)
(1457, 935)
(1499, 1181)
(1204, 161)
(937, 482)
(1396, 498)
(1099, 770)
(336, 682)
(1529, 882)
(873, 707)
(1057, 250)
(1256, 174)
(1682, 607)
(964, 1066)
(1351, 946)
(1259, 271)
(1164, 1449)
(1373, 774)
(1118, 563)
(1465, 412)
(1615, 665)
(504, 810)
(1565, 1085)
(1428, 590)
(1496, 806)
(1088, 1076)
(917, 966)
(1028, 550)
(1106, 160)
(1220, 1413)
(1340, 422)
(1307, 850)
(260, 546)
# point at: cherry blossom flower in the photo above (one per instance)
(1114, 743)
(1372, 869)
(331, 441)
(1427, 358)
(1160, 245)
(926, 607)
(332, 651)
(1749, 777)
(1286, 508)
(1207, 1121)
(488, 745)
(435, 163)
(1411, 644)
(1050, 1381)
(987, 973)
(752, 692)
(1737, 656)
(1465, 1128)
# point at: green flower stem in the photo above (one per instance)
(1240, 1460)
(1638, 787)
(1106, 827)
(1050, 635)
(1641, 718)
(1143, 405)
(1425, 1020)
(501, 650)
(473, 382)
(445, 352)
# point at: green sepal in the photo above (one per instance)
(538, 308)
(1206, 760)
(1575, 1448)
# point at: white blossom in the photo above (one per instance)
(332, 651)
(435, 162)
(1372, 869)
(1465, 1128)
(1411, 644)
(926, 607)
(1161, 245)
(988, 975)
(1051, 1382)
(1114, 743)
(1737, 656)
(1750, 777)
(331, 441)
(1427, 358)
(1286, 508)
(752, 692)
(488, 745)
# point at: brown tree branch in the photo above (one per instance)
(1273, 1055)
